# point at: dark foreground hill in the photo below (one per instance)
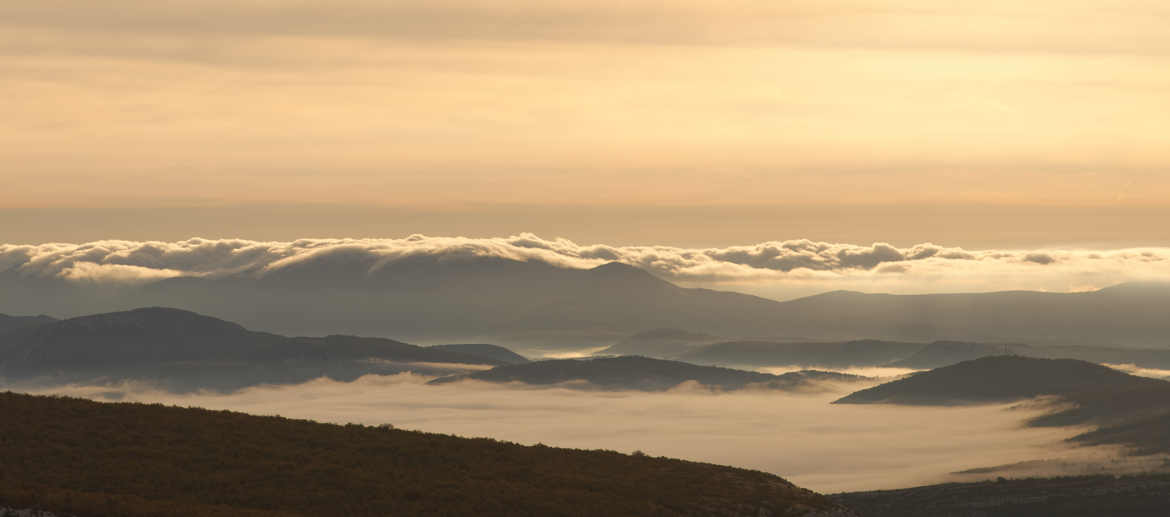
(1087, 496)
(186, 350)
(133, 460)
(645, 374)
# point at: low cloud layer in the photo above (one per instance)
(775, 267)
(800, 437)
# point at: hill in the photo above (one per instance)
(999, 379)
(1125, 410)
(1083, 496)
(532, 303)
(135, 460)
(185, 350)
(484, 351)
(644, 373)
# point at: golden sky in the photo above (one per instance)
(695, 122)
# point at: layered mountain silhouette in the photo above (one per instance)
(194, 350)
(645, 374)
(469, 298)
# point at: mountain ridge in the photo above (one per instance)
(175, 345)
(476, 299)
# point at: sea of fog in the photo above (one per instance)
(801, 437)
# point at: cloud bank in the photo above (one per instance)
(811, 264)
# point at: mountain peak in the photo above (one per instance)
(618, 268)
(155, 317)
(623, 270)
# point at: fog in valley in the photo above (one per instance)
(802, 437)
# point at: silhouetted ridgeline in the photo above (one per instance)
(132, 460)
(184, 350)
(645, 374)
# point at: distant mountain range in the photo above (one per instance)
(646, 374)
(466, 299)
(1126, 409)
(189, 350)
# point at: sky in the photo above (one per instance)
(695, 123)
